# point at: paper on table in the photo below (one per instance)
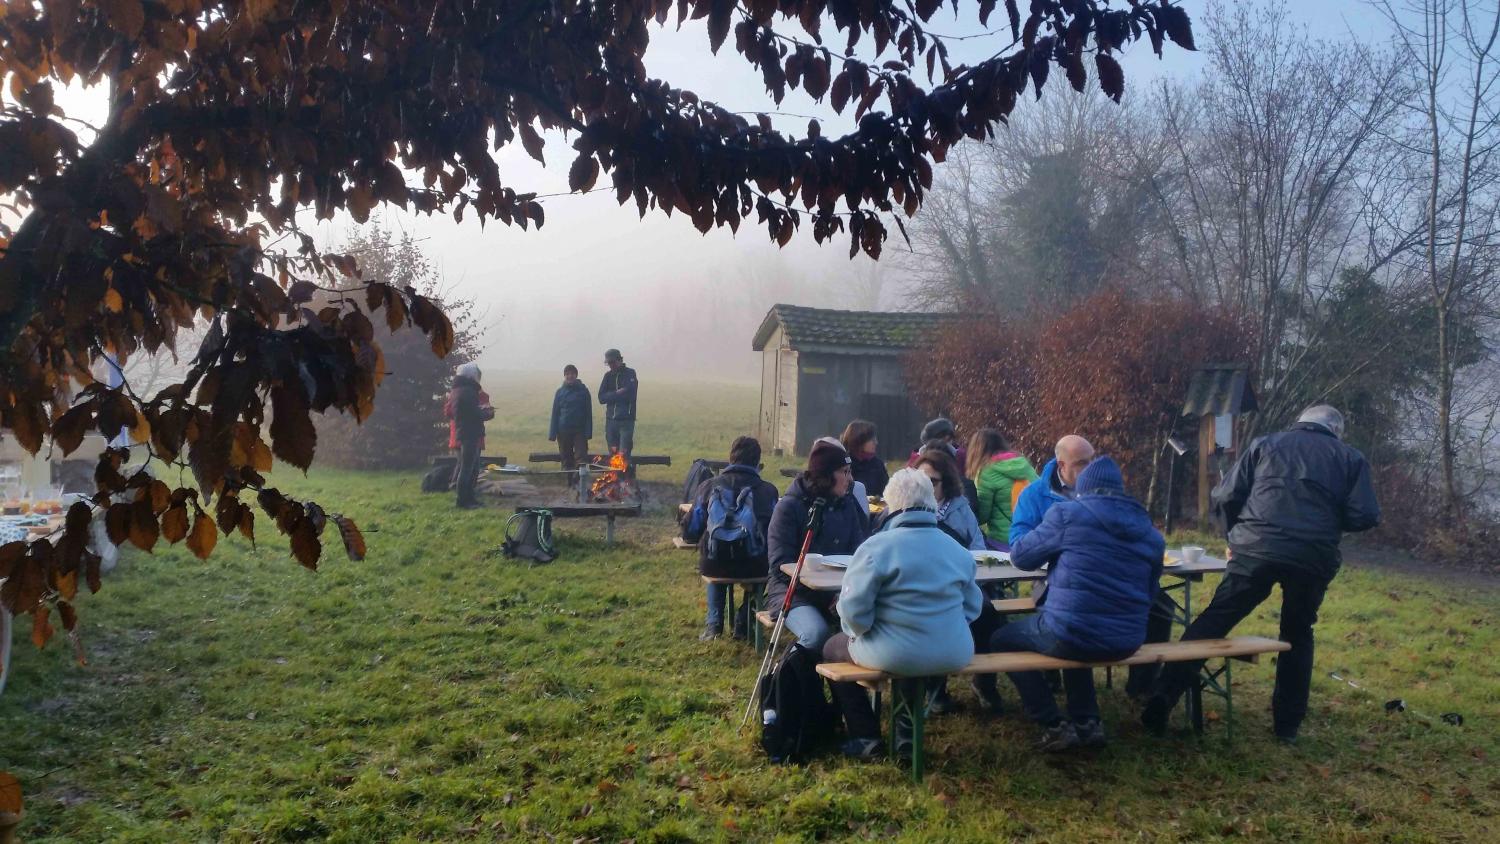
(833, 561)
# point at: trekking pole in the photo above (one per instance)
(814, 521)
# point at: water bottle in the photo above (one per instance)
(768, 718)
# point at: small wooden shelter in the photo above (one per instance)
(821, 368)
(1217, 394)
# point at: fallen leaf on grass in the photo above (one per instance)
(607, 787)
(684, 782)
(10, 793)
(630, 748)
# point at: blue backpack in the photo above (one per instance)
(732, 533)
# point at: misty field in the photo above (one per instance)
(437, 692)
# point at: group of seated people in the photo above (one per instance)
(909, 602)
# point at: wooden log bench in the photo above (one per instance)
(609, 512)
(909, 694)
(451, 460)
(635, 459)
(682, 544)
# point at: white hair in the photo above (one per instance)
(1326, 415)
(469, 370)
(908, 489)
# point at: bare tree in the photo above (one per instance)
(1448, 49)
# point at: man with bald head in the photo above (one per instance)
(1073, 455)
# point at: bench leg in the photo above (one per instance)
(1219, 683)
(757, 634)
(909, 699)
(609, 530)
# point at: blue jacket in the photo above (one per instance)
(908, 598)
(959, 517)
(572, 411)
(1105, 558)
(845, 527)
(1034, 502)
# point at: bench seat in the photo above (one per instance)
(909, 694)
(1027, 604)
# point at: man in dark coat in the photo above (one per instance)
(572, 421)
(469, 416)
(617, 393)
(1286, 505)
(742, 473)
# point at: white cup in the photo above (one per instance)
(1191, 554)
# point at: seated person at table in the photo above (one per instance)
(860, 441)
(844, 526)
(1055, 485)
(716, 514)
(905, 607)
(953, 512)
(1000, 476)
(1106, 559)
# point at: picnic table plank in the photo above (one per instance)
(821, 578)
(635, 459)
(1240, 647)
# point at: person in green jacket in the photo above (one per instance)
(999, 475)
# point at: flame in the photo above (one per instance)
(611, 485)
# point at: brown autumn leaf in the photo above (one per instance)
(41, 625)
(174, 523)
(11, 553)
(144, 529)
(117, 522)
(66, 584)
(203, 537)
(305, 545)
(354, 541)
(69, 429)
(10, 794)
(293, 437)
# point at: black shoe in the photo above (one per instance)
(710, 633)
(1090, 733)
(1154, 716)
(863, 749)
(472, 505)
(1058, 738)
(1287, 739)
(988, 693)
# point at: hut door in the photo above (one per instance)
(897, 422)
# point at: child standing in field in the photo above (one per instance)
(999, 476)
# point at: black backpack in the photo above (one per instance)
(696, 475)
(438, 479)
(797, 719)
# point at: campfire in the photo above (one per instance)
(615, 484)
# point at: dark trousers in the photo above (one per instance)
(574, 449)
(859, 716)
(1158, 629)
(1030, 634)
(1243, 589)
(466, 473)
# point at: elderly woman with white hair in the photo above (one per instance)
(908, 597)
(471, 410)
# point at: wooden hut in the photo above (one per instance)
(821, 368)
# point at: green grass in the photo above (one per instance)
(435, 692)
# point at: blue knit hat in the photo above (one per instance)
(1101, 475)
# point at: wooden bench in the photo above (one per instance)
(909, 694)
(451, 460)
(582, 511)
(682, 544)
(1026, 604)
(635, 459)
(756, 596)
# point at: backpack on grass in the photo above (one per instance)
(528, 536)
(438, 479)
(732, 533)
(797, 719)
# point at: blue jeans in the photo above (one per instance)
(811, 627)
(619, 435)
(1029, 634)
(718, 596)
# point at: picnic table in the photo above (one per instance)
(821, 578)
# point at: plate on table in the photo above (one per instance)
(991, 558)
(1171, 563)
(833, 561)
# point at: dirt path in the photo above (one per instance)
(1382, 558)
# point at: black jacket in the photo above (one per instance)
(572, 411)
(1292, 496)
(872, 473)
(617, 394)
(735, 478)
(468, 416)
(845, 526)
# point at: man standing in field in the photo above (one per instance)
(617, 393)
(1285, 507)
(572, 421)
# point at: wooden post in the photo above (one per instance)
(1205, 455)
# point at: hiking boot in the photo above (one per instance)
(939, 702)
(1154, 716)
(985, 689)
(1090, 733)
(1058, 738)
(710, 633)
(863, 749)
(741, 626)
